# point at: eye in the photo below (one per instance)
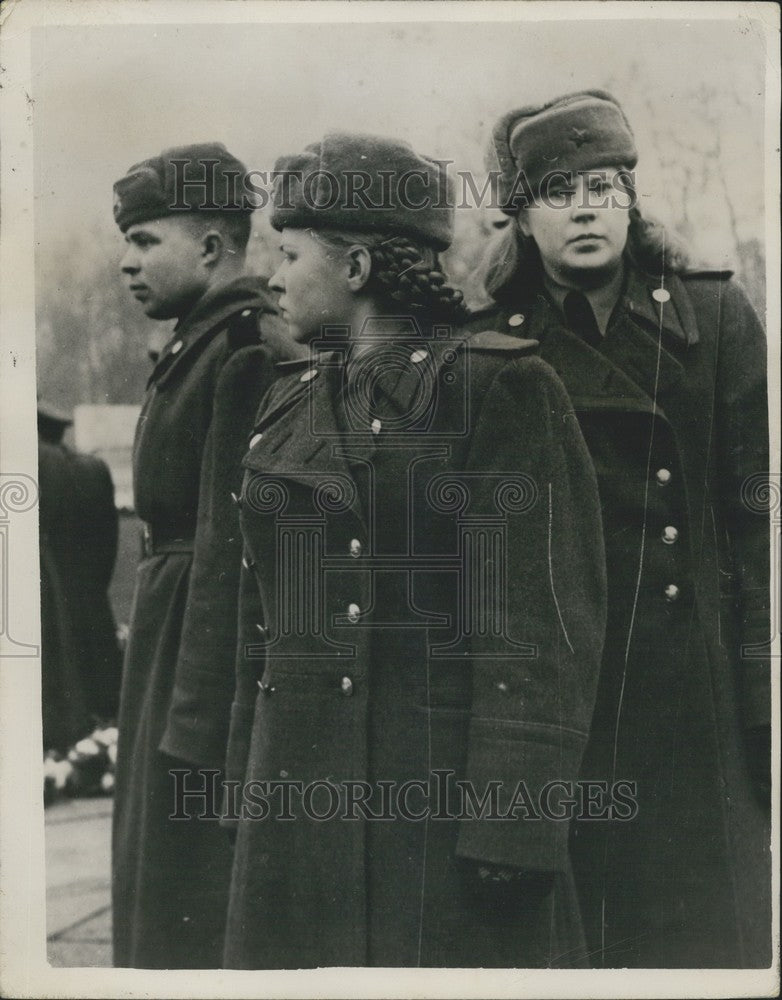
(559, 197)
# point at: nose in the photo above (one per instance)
(129, 263)
(581, 210)
(276, 282)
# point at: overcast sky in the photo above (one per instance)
(106, 97)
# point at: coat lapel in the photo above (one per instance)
(593, 379)
(207, 318)
(301, 437)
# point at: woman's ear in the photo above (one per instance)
(212, 247)
(359, 267)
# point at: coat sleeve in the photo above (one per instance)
(249, 664)
(198, 718)
(531, 714)
(742, 412)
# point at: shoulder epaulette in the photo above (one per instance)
(707, 272)
(292, 365)
(243, 329)
(491, 340)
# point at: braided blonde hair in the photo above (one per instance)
(405, 272)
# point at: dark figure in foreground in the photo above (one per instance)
(666, 368)
(423, 592)
(170, 878)
(81, 660)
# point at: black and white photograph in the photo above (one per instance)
(390, 505)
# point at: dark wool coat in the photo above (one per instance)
(673, 408)
(89, 535)
(63, 696)
(170, 877)
(428, 570)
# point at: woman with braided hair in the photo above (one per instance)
(422, 605)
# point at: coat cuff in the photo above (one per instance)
(537, 759)
(197, 728)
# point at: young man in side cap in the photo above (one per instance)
(186, 233)
(665, 367)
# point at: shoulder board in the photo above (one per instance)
(292, 365)
(243, 329)
(491, 340)
(707, 272)
(488, 310)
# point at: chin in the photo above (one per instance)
(158, 311)
(593, 272)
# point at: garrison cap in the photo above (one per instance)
(201, 177)
(577, 132)
(365, 183)
(48, 411)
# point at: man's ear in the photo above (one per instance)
(359, 267)
(212, 247)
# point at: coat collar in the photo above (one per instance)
(299, 438)
(674, 315)
(311, 433)
(593, 380)
(639, 360)
(208, 316)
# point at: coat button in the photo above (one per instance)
(671, 593)
(236, 499)
(661, 295)
(354, 613)
(515, 320)
(670, 534)
(346, 686)
(376, 425)
(663, 476)
(255, 439)
(502, 686)
(418, 356)
(246, 313)
(355, 548)
(308, 376)
(176, 347)
(247, 563)
(266, 688)
(261, 629)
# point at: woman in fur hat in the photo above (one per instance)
(423, 604)
(665, 366)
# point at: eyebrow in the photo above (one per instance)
(146, 234)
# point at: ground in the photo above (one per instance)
(78, 882)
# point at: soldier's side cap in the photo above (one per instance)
(200, 177)
(576, 132)
(47, 411)
(358, 182)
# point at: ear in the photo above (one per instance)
(212, 247)
(523, 222)
(359, 267)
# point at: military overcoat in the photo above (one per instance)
(673, 408)
(170, 877)
(65, 712)
(424, 594)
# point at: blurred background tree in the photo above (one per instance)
(693, 92)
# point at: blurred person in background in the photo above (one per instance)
(81, 661)
(666, 368)
(186, 234)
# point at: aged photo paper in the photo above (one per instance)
(477, 694)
